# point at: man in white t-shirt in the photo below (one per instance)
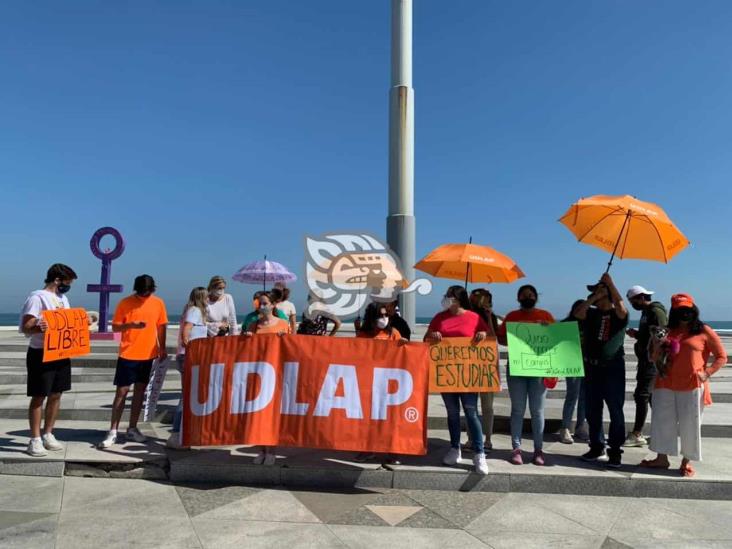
(46, 380)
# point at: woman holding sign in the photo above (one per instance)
(46, 380)
(481, 301)
(457, 320)
(267, 323)
(376, 325)
(193, 326)
(522, 388)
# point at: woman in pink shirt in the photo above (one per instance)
(682, 387)
(457, 320)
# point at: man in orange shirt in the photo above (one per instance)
(142, 320)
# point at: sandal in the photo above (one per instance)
(687, 470)
(654, 464)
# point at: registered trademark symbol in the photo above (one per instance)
(411, 414)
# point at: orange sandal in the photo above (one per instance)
(654, 464)
(687, 470)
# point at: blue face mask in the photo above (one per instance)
(63, 288)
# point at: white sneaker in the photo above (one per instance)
(565, 437)
(50, 443)
(259, 458)
(635, 441)
(109, 441)
(133, 433)
(269, 458)
(173, 441)
(480, 464)
(452, 456)
(35, 448)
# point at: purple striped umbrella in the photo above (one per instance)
(263, 271)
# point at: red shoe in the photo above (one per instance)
(538, 458)
(516, 457)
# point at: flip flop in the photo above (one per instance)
(687, 470)
(651, 464)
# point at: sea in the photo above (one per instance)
(720, 326)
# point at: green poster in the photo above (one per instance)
(544, 351)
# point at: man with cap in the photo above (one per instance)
(653, 315)
(603, 318)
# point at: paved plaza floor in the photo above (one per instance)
(76, 513)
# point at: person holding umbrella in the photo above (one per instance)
(457, 320)
(254, 315)
(268, 323)
(481, 301)
(603, 318)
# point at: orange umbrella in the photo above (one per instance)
(625, 226)
(470, 262)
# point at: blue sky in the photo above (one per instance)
(211, 133)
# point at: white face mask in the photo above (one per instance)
(382, 323)
(218, 293)
(447, 303)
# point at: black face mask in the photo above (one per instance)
(63, 288)
(527, 302)
(686, 316)
(637, 307)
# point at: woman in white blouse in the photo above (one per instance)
(221, 313)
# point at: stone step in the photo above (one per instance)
(94, 402)
(329, 469)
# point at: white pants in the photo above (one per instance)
(677, 415)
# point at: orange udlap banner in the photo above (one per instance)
(457, 365)
(67, 334)
(308, 391)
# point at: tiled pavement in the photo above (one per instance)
(76, 513)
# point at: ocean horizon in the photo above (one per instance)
(12, 319)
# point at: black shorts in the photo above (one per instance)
(45, 378)
(129, 372)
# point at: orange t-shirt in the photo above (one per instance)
(521, 315)
(691, 360)
(140, 344)
(276, 328)
(394, 335)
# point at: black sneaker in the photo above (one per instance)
(614, 460)
(593, 455)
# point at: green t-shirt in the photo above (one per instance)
(254, 315)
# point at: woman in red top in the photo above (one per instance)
(682, 390)
(457, 320)
(522, 388)
(267, 323)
